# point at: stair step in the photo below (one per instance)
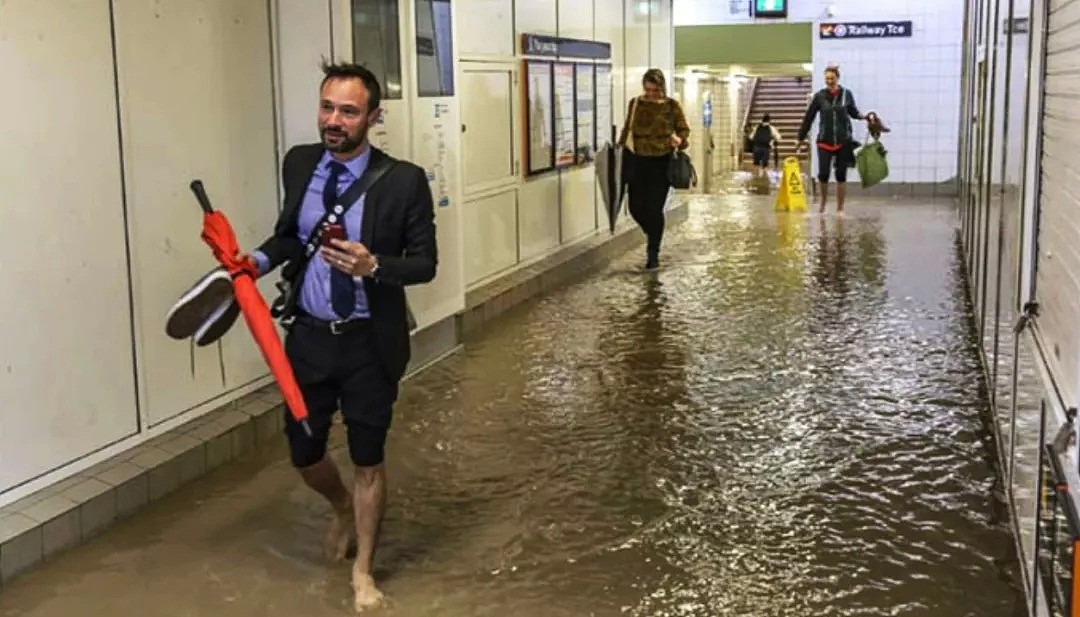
(785, 100)
(777, 110)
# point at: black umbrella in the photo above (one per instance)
(609, 162)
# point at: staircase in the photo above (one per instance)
(785, 99)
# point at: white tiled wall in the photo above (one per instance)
(914, 83)
(700, 12)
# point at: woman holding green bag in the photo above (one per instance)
(835, 146)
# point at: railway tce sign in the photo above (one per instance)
(865, 30)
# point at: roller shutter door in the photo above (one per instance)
(1058, 258)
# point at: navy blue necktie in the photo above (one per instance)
(342, 287)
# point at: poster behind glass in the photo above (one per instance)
(603, 105)
(586, 112)
(541, 143)
(565, 122)
(434, 48)
(376, 43)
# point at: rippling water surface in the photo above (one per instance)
(786, 420)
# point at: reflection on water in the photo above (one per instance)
(785, 420)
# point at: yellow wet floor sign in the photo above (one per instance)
(791, 194)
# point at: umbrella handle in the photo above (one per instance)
(200, 194)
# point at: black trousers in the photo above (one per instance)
(648, 184)
(339, 372)
(838, 161)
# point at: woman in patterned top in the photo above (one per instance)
(655, 126)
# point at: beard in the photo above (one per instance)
(336, 139)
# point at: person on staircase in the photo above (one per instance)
(764, 136)
(835, 148)
(655, 127)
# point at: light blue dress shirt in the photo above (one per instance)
(315, 294)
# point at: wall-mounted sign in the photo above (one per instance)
(865, 30)
(770, 8)
(605, 130)
(563, 104)
(585, 111)
(1018, 25)
(540, 154)
(551, 46)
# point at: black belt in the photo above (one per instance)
(335, 327)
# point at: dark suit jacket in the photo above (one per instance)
(398, 227)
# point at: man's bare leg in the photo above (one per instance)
(824, 194)
(841, 190)
(369, 504)
(324, 478)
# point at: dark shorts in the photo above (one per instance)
(838, 161)
(761, 156)
(339, 372)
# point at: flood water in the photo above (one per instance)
(785, 420)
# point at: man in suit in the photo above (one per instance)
(348, 338)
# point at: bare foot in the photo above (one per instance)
(368, 595)
(340, 536)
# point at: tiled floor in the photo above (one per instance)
(70, 512)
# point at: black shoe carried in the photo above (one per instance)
(218, 323)
(197, 304)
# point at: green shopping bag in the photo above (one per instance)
(872, 164)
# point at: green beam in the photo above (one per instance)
(744, 43)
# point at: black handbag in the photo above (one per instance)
(680, 171)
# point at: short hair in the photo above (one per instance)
(834, 69)
(352, 70)
(766, 118)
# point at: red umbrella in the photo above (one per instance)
(219, 235)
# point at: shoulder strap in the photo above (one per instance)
(378, 166)
(283, 305)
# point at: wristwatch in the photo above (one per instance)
(360, 279)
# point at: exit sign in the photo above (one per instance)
(770, 8)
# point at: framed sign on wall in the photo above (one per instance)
(540, 150)
(585, 103)
(604, 129)
(564, 100)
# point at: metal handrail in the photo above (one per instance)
(749, 102)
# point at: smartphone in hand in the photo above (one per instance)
(332, 232)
